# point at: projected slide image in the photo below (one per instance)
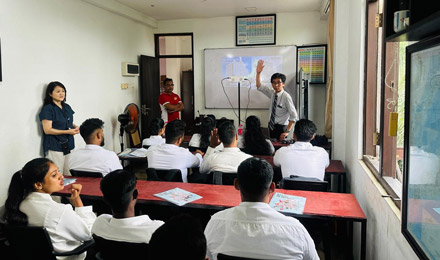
(245, 66)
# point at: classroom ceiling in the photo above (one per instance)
(187, 9)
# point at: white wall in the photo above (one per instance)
(384, 238)
(75, 43)
(292, 28)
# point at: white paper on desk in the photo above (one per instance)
(141, 152)
(436, 210)
(178, 196)
(287, 203)
(125, 152)
(69, 181)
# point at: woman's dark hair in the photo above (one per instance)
(156, 125)
(254, 140)
(22, 183)
(208, 124)
(50, 88)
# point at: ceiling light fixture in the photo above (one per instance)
(251, 9)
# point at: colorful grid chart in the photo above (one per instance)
(312, 60)
(256, 30)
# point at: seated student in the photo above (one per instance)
(93, 158)
(120, 193)
(227, 159)
(302, 158)
(29, 203)
(156, 130)
(253, 229)
(201, 141)
(181, 237)
(254, 142)
(169, 155)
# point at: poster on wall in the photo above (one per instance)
(255, 30)
(313, 60)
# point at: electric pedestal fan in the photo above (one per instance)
(129, 122)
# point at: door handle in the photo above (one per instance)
(144, 110)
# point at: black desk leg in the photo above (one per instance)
(344, 183)
(363, 239)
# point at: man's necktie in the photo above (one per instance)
(272, 115)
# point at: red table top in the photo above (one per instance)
(340, 205)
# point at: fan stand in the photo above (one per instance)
(121, 137)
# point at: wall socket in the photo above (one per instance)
(124, 85)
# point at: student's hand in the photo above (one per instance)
(260, 66)
(283, 136)
(75, 199)
(215, 140)
(200, 152)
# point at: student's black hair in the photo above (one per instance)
(174, 130)
(254, 140)
(50, 88)
(254, 177)
(181, 237)
(304, 130)
(208, 123)
(156, 125)
(227, 132)
(89, 126)
(22, 183)
(166, 80)
(278, 76)
(117, 188)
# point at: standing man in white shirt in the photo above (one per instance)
(253, 229)
(227, 159)
(170, 155)
(93, 158)
(302, 158)
(120, 193)
(283, 114)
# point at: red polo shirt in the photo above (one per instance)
(172, 99)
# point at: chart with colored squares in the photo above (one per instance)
(312, 59)
(255, 30)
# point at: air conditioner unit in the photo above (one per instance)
(129, 69)
(325, 9)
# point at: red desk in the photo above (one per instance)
(319, 205)
(335, 168)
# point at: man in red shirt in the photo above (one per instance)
(169, 102)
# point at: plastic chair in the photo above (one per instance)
(303, 183)
(34, 243)
(111, 249)
(228, 257)
(223, 178)
(78, 173)
(174, 175)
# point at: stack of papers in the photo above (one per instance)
(178, 196)
(134, 152)
(287, 203)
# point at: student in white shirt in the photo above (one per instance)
(120, 193)
(201, 141)
(157, 129)
(29, 203)
(253, 229)
(302, 158)
(93, 158)
(169, 155)
(254, 142)
(227, 159)
(181, 237)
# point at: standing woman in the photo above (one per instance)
(29, 203)
(59, 129)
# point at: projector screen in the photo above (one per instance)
(229, 66)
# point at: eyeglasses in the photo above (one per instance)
(277, 82)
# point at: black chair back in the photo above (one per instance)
(34, 243)
(303, 183)
(223, 178)
(228, 257)
(78, 173)
(174, 175)
(111, 249)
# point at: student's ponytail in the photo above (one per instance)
(22, 183)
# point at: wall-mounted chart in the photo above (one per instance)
(313, 60)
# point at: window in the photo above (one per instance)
(384, 105)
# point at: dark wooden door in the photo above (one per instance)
(187, 92)
(149, 91)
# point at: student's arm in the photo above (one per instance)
(260, 66)
(206, 164)
(277, 157)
